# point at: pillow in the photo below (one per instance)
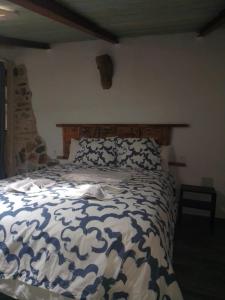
(165, 156)
(138, 153)
(74, 147)
(96, 152)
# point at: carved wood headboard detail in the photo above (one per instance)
(160, 132)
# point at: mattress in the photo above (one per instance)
(79, 248)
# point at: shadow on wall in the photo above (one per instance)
(221, 200)
(30, 148)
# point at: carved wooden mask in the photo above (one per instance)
(105, 66)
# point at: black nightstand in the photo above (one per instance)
(209, 205)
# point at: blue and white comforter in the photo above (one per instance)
(90, 249)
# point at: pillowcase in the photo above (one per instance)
(96, 152)
(74, 147)
(138, 153)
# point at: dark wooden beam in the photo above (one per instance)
(59, 13)
(22, 43)
(212, 25)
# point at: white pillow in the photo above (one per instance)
(74, 147)
(166, 153)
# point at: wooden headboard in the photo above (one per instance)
(160, 132)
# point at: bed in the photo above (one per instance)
(57, 246)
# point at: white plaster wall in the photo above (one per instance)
(173, 78)
(8, 53)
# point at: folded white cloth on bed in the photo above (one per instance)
(97, 176)
(29, 185)
(96, 191)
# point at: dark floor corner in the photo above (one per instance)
(4, 297)
(199, 259)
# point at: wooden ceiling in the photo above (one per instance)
(39, 23)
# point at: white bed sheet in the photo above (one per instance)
(19, 290)
(136, 227)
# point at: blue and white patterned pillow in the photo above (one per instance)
(138, 153)
(96, 152)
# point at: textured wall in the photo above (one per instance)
(29, 147)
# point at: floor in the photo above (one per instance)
(3, 297)
(199, 259)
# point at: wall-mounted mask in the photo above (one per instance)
(105, 66)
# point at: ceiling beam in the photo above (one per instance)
(59, 13)
(212, 25)
(22, 43)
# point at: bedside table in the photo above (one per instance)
(207, 204)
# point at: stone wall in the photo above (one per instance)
(30, 148)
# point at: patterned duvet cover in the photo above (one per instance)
(90, 249)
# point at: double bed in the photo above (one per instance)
(58, 245)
